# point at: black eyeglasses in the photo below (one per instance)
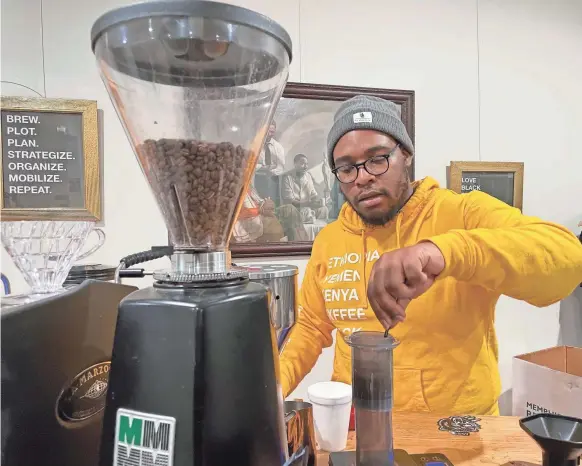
(377, 165)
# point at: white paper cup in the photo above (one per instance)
(332, 403)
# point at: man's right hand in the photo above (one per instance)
(401, 275)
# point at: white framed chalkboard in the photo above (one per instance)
(50, 166)
(502, 180)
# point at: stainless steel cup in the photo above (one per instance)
(281, 279)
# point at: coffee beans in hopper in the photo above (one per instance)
(198, 184)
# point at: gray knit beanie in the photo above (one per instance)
(367, 112)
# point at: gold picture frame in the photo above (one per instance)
(457, 169)
(91, 159)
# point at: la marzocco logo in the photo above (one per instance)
(85, 395)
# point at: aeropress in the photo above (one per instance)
(372, 394)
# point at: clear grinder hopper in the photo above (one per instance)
(195, 85)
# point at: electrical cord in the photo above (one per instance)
(156, 252)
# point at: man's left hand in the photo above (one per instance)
(401, 275)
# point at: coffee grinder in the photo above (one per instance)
(194, 368)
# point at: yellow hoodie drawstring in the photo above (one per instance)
(398, 223)
(364, 262)
(365, 256)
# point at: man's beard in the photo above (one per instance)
(379, 219)
(382, 218)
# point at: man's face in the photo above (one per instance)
(301, 165)
(271, 132)
(376, 198)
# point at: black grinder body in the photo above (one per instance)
(194, 380)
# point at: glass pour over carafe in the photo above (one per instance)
(44, 252)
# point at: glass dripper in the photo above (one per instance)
(195, 85)
(44, 252)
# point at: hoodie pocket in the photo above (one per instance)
(408, 391)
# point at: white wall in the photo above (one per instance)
(530, 73)
(494, 80)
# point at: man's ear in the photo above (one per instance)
(407, 158)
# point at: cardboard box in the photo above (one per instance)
(548, 381)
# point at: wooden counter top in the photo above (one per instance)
(499, 442)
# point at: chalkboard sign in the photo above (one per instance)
(50, 159)
(502, 180)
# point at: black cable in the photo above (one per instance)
(156, 252)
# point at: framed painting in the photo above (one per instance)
(293, 183)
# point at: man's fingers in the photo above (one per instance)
(396, 278)
(413, 273)
(389, 293)
(388, 321)
(389, 304)
(417, 280)
(424, 286)
(391, 279)
(384, 303)
(403, 302)
(380, 314)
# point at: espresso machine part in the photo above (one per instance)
(107, 273)
(281, 280)
(81, 272)
(194, 371)
(559, 438)
(56, 355)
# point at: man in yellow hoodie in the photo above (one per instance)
(425, 262)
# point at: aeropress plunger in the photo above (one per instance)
(559, 437)
(372, 393)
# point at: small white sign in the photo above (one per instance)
(143, 439)
(363, 117)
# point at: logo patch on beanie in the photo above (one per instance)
(363, 117)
